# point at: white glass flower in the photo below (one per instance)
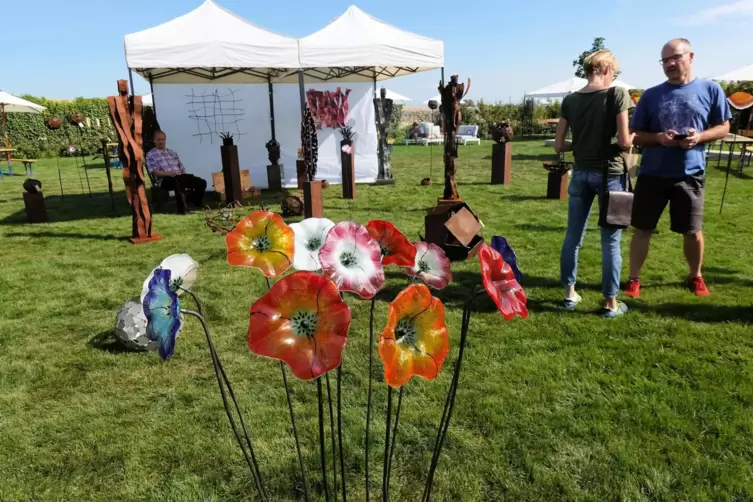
(432, 266)
(310, 235)
(184, 271)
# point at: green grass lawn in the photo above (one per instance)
(563, 406)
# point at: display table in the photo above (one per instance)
(7, 152)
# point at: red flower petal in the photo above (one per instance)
(500, 284)
(396, 248)
(302, 321)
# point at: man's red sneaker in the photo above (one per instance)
(698, 286)
(633, 288)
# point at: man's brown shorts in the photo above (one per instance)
(685, 198)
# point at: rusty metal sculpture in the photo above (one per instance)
(383, 108)
(501, 153)
(126, 117)
(451, 95)
(502, 132)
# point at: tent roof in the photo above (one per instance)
(12, 104)
(359, 47)
(562, 89)
(209, 43)
(744, 74)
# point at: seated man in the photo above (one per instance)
(170, 174)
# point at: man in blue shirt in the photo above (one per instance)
(672, 122)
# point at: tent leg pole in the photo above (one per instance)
(154, 102)
(130, 79)
(302, 92)
(271, 107)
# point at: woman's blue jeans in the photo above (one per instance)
(584, 187)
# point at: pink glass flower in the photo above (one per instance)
(431, 266)
(352, 259)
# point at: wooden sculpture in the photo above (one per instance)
(126, 117)
(451, 94)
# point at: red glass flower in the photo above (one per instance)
(261, 240)
(302, 321)
(499, 282)
(415, 340)
(396, 248)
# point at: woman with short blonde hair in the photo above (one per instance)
(584, 112)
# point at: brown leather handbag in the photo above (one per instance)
(616, 206)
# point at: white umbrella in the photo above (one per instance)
(396, 98)
(11, 104)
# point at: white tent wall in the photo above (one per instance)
(193, 119)
(360, 117)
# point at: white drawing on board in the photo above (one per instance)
(215, 113)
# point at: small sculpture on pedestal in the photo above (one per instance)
(556, 187)
(312, 190)
(451, 95)
(346, 162)
(501, 153)
(383, 108)
(274, 169)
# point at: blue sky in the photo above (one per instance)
(75, 47)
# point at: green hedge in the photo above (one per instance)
(29, 136)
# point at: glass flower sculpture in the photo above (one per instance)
(303, 321)
(500, 284)
(352, 259)
(501, 245)
(184, 271)
(309, 239)
(396, 248)
(162, 311)
(261, 240)
(431, 266)
(415, 340)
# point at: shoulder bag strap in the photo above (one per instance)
(610, 125)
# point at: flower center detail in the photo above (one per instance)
(175, 284)
(304, 323)
(348, 259)
(385, 250)
(314, 244)
(405, 332)
(423, 267)
(262, 244)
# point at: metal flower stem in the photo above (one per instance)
(292, 422)
(385, 490)
(322, 448)
(60, 177)
(340, 428)
(368, 399)
(388, 465)
(444, 422)
(332, 436)
(250, 456)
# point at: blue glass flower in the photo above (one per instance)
(500, 245)
(162, 310)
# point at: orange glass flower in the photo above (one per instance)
(261, 240)
(500, 284)
(303, 321)
(396, 248)
(415, 340)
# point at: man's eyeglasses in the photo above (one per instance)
(675, 58)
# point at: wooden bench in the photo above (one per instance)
(218, 180)
(28, 165)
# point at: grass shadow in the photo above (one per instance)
(106, 342)
(542, 157)
(69, 235)
(530, 227)
(705, 313)
(75, 207)
(734, 171)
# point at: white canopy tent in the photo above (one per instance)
(744, 74)
(396, 98)
(357, 47)
(562, 89)
(147, 100)
(210, 43)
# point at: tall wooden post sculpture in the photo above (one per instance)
(501, 153)
(451, 94)
(126, 117)
(383, 112)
